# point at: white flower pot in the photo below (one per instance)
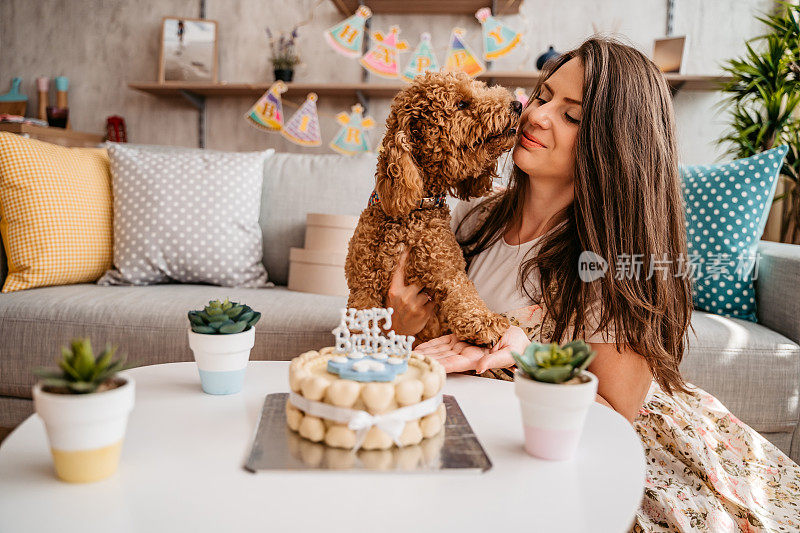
(85, 430)
(553, 414)
(222, 359)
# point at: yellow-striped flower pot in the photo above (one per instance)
(85, 430)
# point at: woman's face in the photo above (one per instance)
(549, 126)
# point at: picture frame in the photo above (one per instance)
(668, 53)
(188, 51)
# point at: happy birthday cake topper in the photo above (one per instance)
(369, 340)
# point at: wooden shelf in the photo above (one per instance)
(381, 90)
(60, 136)
(427, 7)
(343, 90)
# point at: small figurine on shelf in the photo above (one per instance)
(58, 115)
(115, 129)
(14, 102)
(284, 57)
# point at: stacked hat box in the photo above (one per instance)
(318, 267)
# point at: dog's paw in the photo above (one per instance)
(484, 332)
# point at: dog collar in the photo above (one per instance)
(425, 203)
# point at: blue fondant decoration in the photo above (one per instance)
(388, 373)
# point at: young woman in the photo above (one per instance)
(595, 170)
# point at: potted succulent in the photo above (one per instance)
(555, 392)
(284, 57)
(221, 336)
(84, 405)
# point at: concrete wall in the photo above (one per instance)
(103, 45)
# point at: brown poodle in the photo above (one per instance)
(444, 135)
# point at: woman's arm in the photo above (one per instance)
(623, 378)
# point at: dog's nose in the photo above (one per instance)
(516, 107)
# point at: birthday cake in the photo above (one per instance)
(368, 391)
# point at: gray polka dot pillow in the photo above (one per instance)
(726, 211)
(185, 215)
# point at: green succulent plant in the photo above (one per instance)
(552, 363)
(223, 318)
(79, 371)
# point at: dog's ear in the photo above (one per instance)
(398, 183)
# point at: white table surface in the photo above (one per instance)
(181, 470)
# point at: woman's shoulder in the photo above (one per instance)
(475, 208)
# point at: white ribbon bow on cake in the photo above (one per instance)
(391, 423)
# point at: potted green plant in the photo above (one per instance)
(84, 405)
(221, 337)
(555, 392)
(763, 103)
(284, 57)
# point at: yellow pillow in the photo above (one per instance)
(55, 213)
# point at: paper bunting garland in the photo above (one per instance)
(381, 59)
(460, 56)
(521, 96)
(267, 112)
(347, 36)
(422, 60)
(498, 39)
(303, 127)
(352, 138)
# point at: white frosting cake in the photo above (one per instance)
(401, 406)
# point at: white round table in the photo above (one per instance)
(181, 470)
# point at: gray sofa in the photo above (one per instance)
(754, 369)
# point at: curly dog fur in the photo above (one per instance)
(444, 134)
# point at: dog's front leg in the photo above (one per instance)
(467, 316)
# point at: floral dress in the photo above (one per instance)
(706, 470)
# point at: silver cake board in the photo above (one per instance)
(276, 447)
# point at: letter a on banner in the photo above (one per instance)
(382, 58)
(347, 36)
(303, 127)
(267, 113)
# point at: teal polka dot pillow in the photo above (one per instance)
(726, 211)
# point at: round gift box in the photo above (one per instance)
(222, 359)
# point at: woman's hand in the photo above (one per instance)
(412, 307)
(460, 356)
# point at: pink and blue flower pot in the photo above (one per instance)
(553, 415)
(222, 360)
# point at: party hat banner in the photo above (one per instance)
(347, 36)
(498, 39)
(303, 127)
(381, 59)
(521, 96)
(422, 60)
(267, 112)
(352, 139)
(460, 56)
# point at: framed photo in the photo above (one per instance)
(668, 53)
(188, 50)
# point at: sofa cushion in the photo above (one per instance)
(726, 211)
(297, 184)
(186, 215)
(148, 324)
(752, 370)
(55, 212)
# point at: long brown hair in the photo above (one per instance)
(627, 205)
